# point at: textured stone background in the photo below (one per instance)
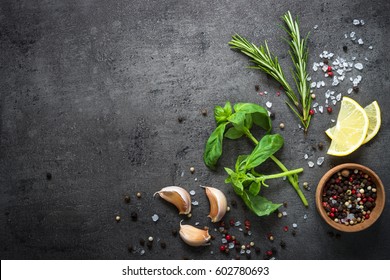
(91, 92)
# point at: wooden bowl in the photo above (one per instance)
(376, 211)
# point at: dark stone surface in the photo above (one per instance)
(91, 93)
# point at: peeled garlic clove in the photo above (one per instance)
(177, 196)
(218, 203)
(194, 236)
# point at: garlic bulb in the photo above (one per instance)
(194, 236)
(178, 197)
(218, 203)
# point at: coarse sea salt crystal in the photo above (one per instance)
(340, 71)
(315, 66)
(362, 22)
(305, 216)
(321, 109)
(358, 66)
(360, 41)
(327, 93)
(306, 156)
(334, 102)
(335, 81)
(370, 47)
(284, 213)
(352, 34)
(313, 84)
(320, 160)
(195, 203)
(268, 104)
(338, 97)
(310, 163)
(315, 105)
(356, 22)
(315, 26)
(192, 192)
(350, 90)
(155, 218)
(294, 225)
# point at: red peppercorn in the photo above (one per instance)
(269, 253)
(331, 215)
(329, 109)
(330, 74)
(367, 216)
(228, 237)
(311, 112)
(222, 248)
(285, 228)
(231, 222)
(329, 68)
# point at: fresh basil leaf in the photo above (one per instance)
(234, 179)
(222, 114)
(267, 146)
(240, 163)
(248, 121)
(238, 120)
(213, 150)
(254, 188)
(259, 114)
(232, 133)
(259, 204)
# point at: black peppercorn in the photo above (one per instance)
(48, 176)
(127, 199)
(141, 241)
(345, 48)
(134, 216)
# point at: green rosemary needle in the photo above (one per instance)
(265, 61)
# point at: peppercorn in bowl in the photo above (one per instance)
(350, 197)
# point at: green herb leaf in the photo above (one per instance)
(254, 188)
(222, 114)
(259, 205)
(235, 180)
(232, 133)
(240, 163)
(213, 150)
(238, 120)
(267, 146)
(258, 113)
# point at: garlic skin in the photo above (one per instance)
(178, 197)
(194, 236)
(218, 203)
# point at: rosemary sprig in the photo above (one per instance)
(264, 60)
(299, 55)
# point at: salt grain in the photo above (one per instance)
(294, 225)
(155, 218)
(320, 160)
(356, 22)
(310, 163)
(268, 104)
(195, 203)
(306, 156)
(358, 66)
(192, 192)
(360, 41)
(321, 109)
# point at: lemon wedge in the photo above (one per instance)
(374, 122)
(350, 130)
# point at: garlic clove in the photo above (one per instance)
(178, 197)
(218, 203)
(194, 236)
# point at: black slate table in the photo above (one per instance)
(103, 99)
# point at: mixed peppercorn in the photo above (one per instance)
(349, 197)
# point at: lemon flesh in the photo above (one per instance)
(350, 130)
(374, 122)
